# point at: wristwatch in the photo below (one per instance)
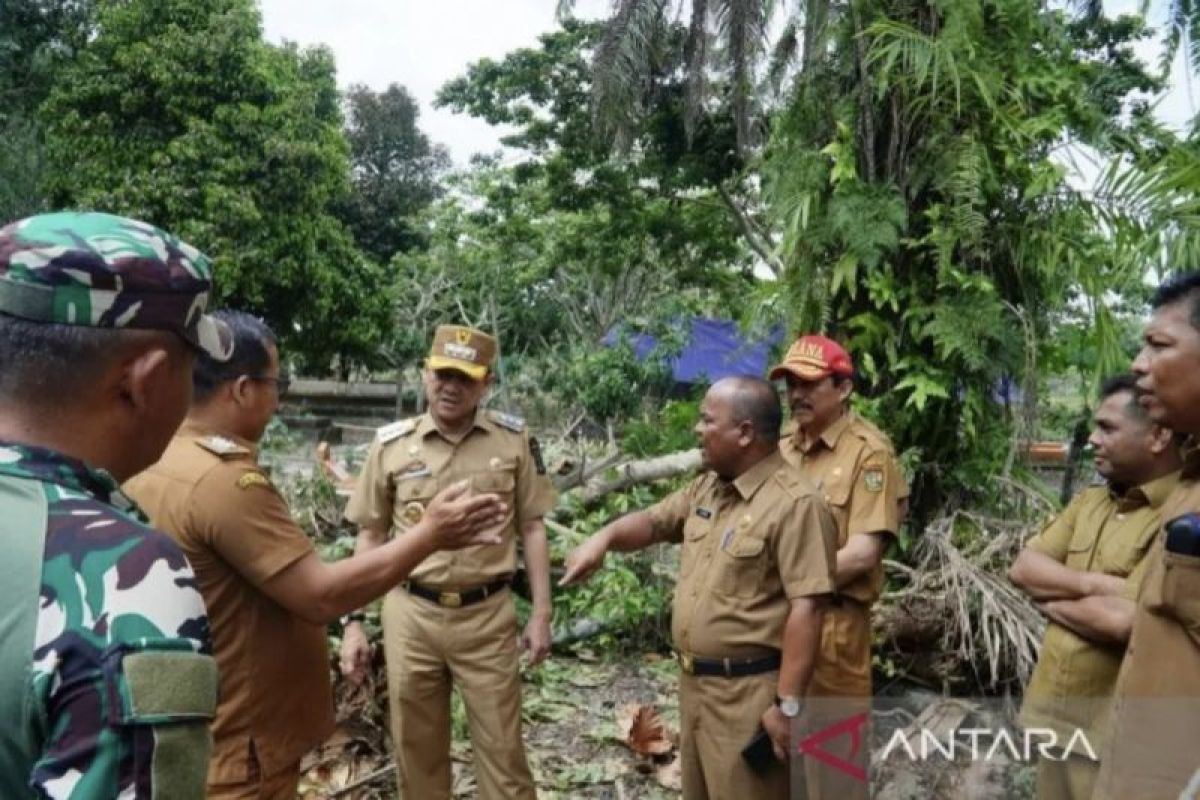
(354, 616)
(788, 706)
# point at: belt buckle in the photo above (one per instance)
(450, 600)
(686, 662)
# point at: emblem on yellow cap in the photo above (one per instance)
(463, 336)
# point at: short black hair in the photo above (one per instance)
(756, 400)
(1123, 382)
(251, 338)
(1184, 286)
(47, 363)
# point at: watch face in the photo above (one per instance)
(790, 707)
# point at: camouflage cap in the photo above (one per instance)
(465, 349)
(104, 271)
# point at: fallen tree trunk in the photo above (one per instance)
(633, 473)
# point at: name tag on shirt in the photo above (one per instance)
(703, 513)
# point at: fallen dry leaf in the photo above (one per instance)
(643, 730)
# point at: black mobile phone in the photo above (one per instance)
(759, 753)
(1183, 535)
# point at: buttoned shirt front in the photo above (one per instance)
(1105, 530)
(412, 461)
(750, 546)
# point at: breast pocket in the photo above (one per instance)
(412, 496)
(1122, 556)
(743, 563)
(1081, 547)
(694, 532)
(500, 481)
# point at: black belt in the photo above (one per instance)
(728, 667)
(458, 599)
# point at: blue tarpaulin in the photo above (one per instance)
(715, 349)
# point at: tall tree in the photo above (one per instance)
(179, 113)
(396, 170)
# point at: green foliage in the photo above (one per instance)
(976, 247)
(630, 598)
(178, 113)
(610, 383)
(669, 428)
(395, 171)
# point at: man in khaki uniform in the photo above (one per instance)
(269, 595)
(755, 571)
(1083, 571)
(454, 622)
(853, 466)
(1153, 750)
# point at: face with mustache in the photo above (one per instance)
(816, 404)
(453, 396)
(1168, 368)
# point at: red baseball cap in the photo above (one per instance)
(814, 357)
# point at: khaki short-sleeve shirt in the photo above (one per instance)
(853, 467)
(1152, 749)
(209, 493)
(411, 461)
(1102, 530)
(749, 547)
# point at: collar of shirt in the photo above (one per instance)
(829, 436)
(752, 479)
(1152, 493)
(48, 466)
(427, 427)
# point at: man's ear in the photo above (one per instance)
(1161, 439)
(845, 388)
(141, 376)
(745, 433)
(239, 389)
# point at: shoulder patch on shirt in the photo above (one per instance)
(510, 421)
(220, 446)
(873, 477)
(395, 430)
(253, 479)
(535, 449)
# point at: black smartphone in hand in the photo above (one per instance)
(759, 752)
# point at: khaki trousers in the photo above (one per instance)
(718, 717)
(430, 648)
(1072, 779)
(281, 786)
(840, 690)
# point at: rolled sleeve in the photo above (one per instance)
(875, 497)
(370, 505)
(1055, 538)
(248, 524)
(535, 496)
(668, 515)
(806, 550)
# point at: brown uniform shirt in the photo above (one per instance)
(749, 547)
(1100, 531)
(852, 464)
(210, 495)
(1153, 750)
(411, 461)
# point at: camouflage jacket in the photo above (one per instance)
(111, 588)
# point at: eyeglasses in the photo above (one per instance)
(281, 383)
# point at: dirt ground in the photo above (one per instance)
(573, 737)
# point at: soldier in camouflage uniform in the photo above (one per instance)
(106, 682)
